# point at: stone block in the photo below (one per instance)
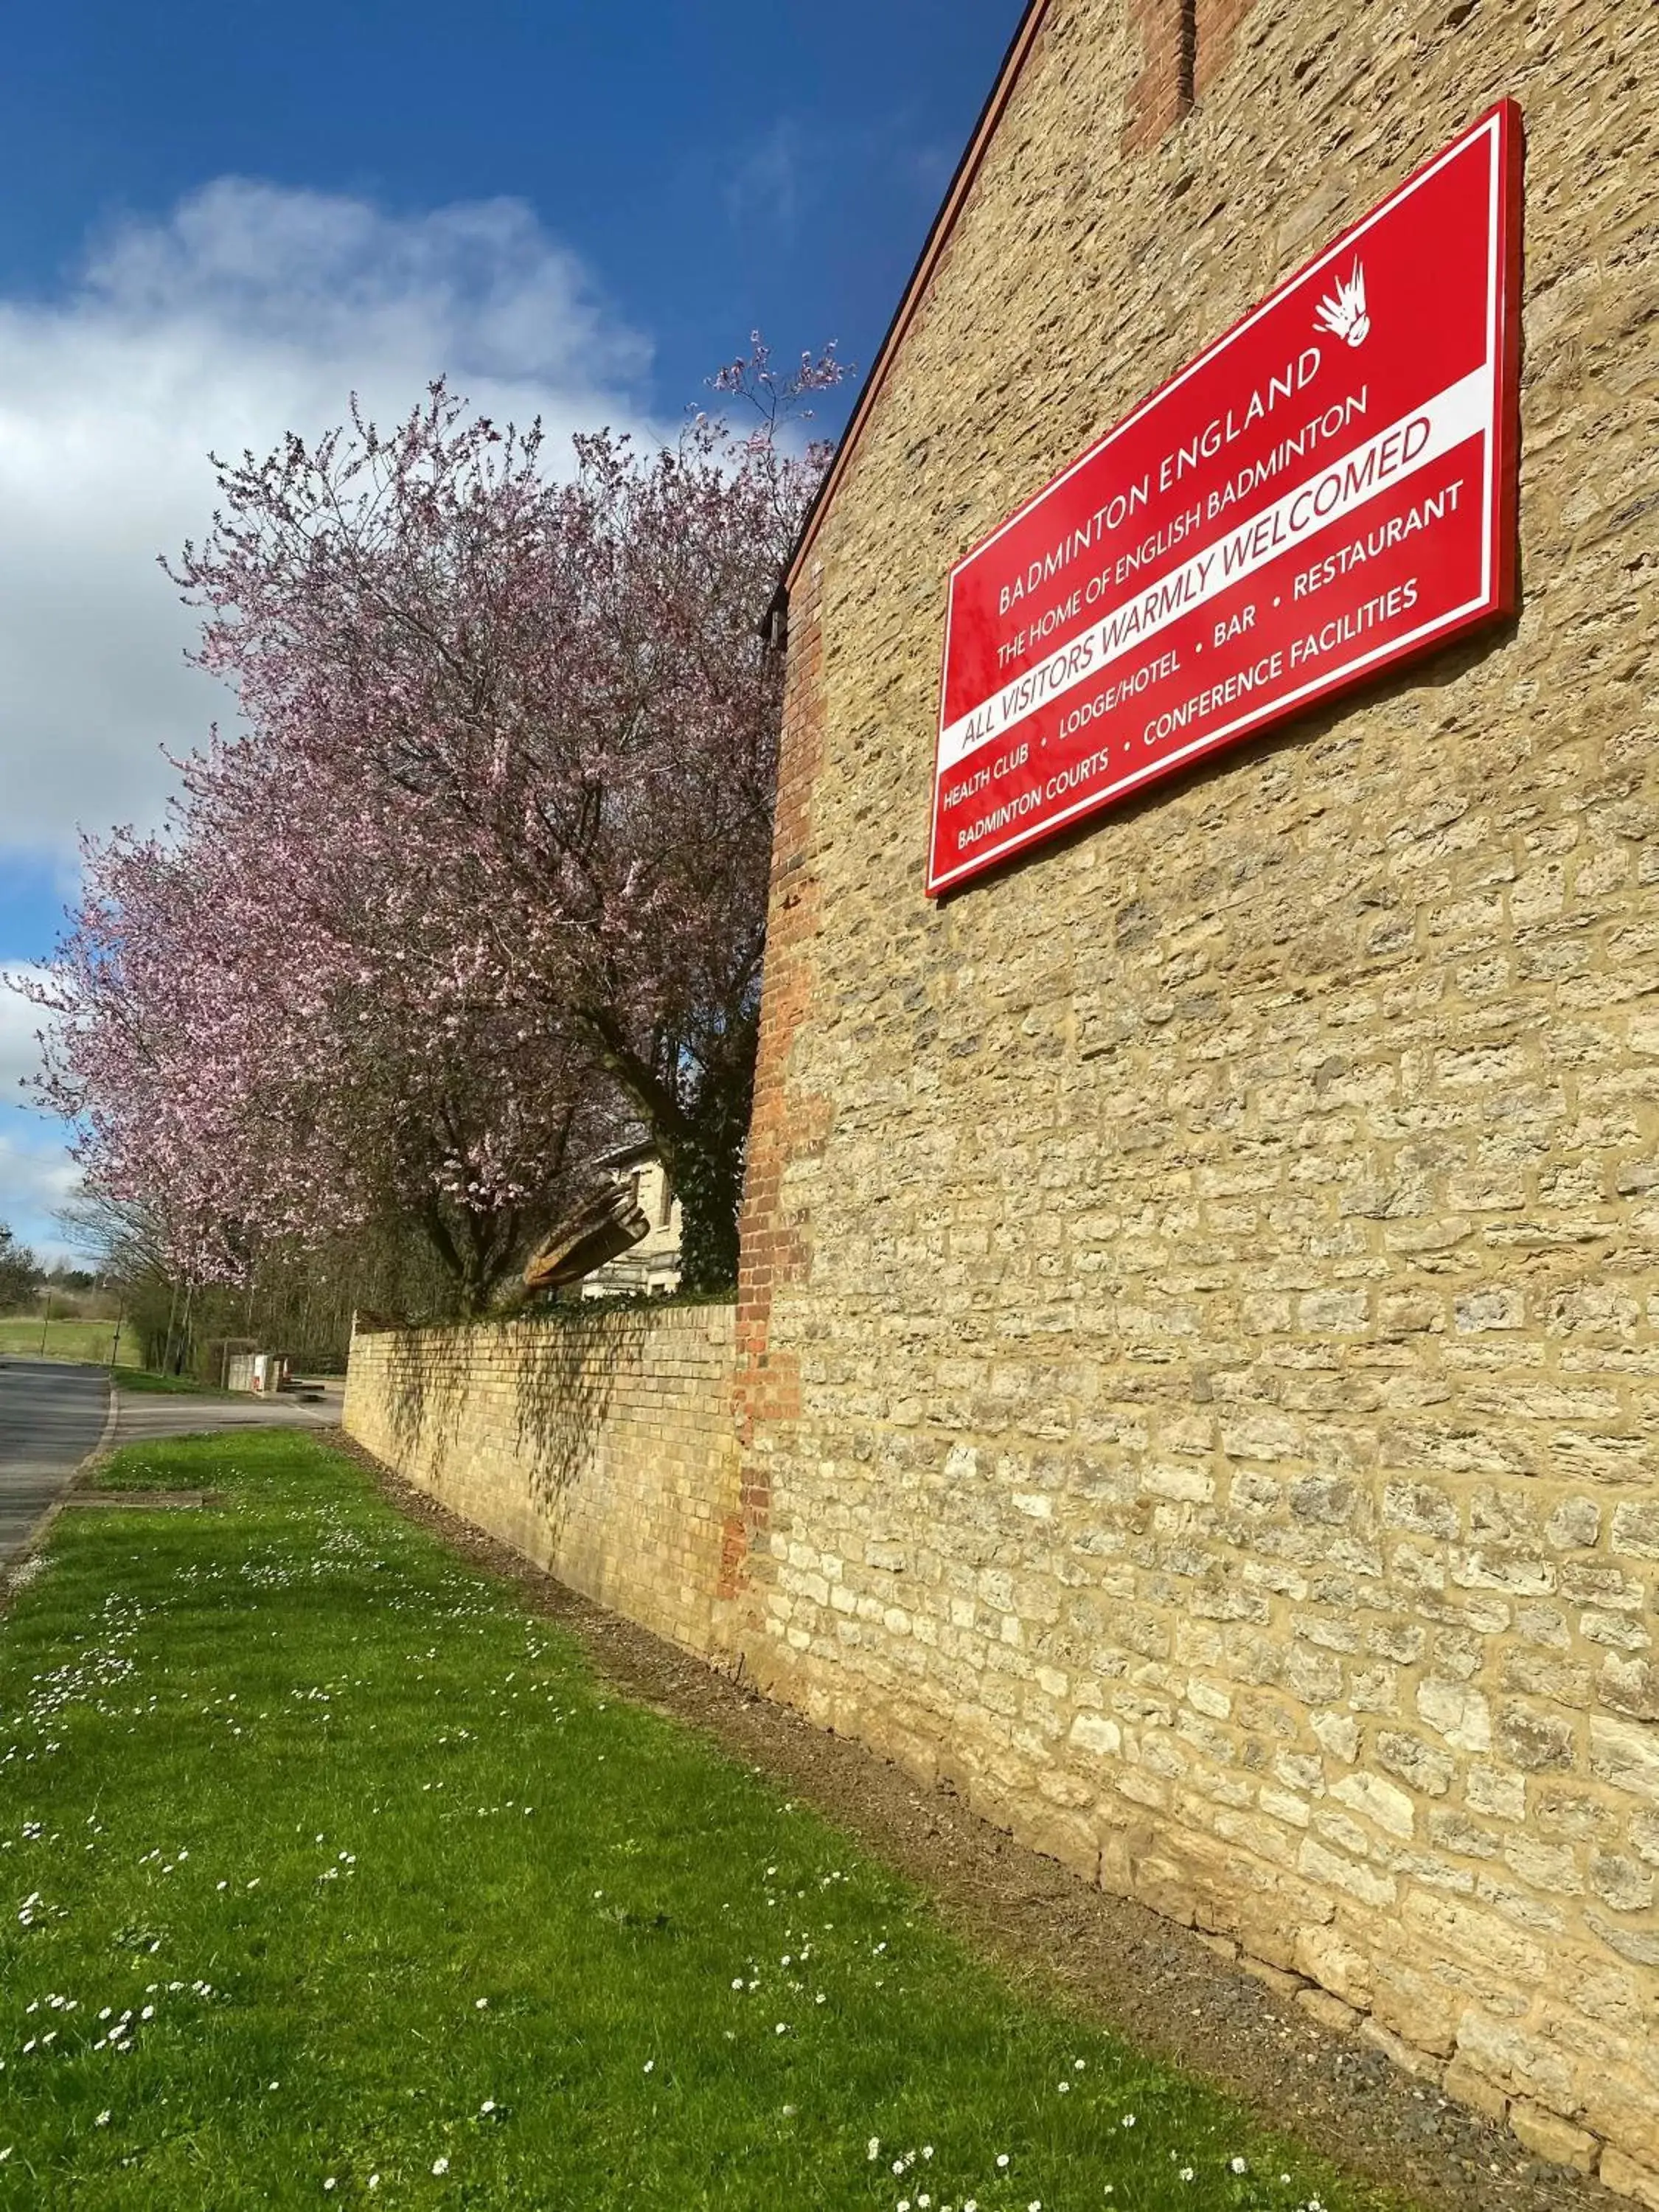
(1625, 1755)
(1624, 2177)
(1381, 1800)
(1415, 1762)
(1419, 2003)
(1460, 1715)
(1524, 2059)
(1328, 1957)
(1471, 1932)
(1539, 1742)
(1420, 2065)
(1329, 2011)
(1549, 2136)
(1279, 1979)
(1468, 2086)
(1574, 1525)
(1630, 1685)
(1635, 1528)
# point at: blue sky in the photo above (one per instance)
(214, 222)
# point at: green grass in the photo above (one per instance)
(323, 1859)
(140, 1380)
(64, 1339)
(93, 1341)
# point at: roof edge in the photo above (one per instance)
(938, 236)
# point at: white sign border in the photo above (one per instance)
(1330, 681)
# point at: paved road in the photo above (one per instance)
(143, 1413)
(51, 1417)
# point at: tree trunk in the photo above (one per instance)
(701, 1139)
(705, 1162)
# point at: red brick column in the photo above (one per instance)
(1185, 45)
(774, 1250)
(1216, 22)
(1162, 93)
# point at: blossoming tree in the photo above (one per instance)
(270, 1037)
(487, 872)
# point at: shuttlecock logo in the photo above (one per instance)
(1343, 312)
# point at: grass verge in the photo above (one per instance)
(84, 1343)
(140, 1380)
(334, 1876)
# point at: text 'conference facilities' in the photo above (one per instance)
(1327, 490)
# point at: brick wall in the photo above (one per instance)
(1200, 1331)
(773, 1254)
(600, 1446)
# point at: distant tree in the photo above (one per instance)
(296, 1297)
(20, 1274)
(121, 1240)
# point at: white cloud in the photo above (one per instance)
(766, 186)
(248, 312)
(36, 1173)
(19, 1056)
(37, 1176)
(34, 1178)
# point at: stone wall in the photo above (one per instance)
(1198, 1341)
(600, 1445)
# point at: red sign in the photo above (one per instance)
(1327, 490)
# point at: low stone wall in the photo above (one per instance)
(601, 1446)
